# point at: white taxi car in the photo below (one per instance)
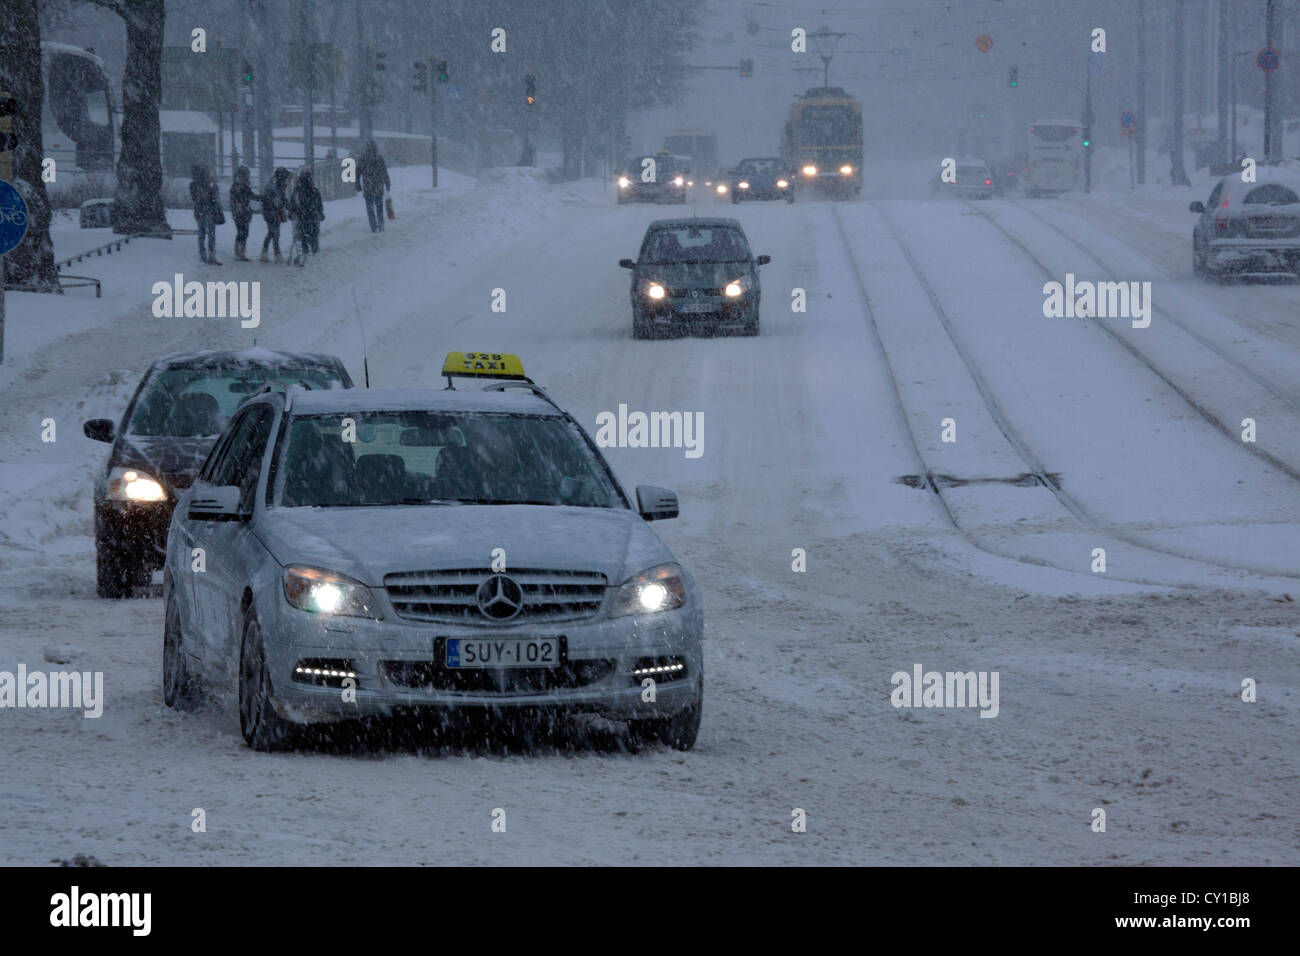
(353, 553)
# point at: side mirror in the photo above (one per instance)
(1197, 206)
(656, 504)
(627, 263)
(98, 429)
(211, 503)
(764, 260)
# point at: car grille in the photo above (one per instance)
(698, 293)
(449, 596)
(505, 682)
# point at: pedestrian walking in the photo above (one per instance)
(205, 196)
(372, 181)
(241, 210)
(307, 210)
(275, 210)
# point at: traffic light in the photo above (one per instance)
(530, 89)
(746, 67)
(1013, 76)
(421, 76)
(443, 75)
(380, 56)
(8, 107)
(247, 75)
(1087, 139)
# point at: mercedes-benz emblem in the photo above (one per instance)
(500, 597)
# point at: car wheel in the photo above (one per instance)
(735, 197)
(679, 731)
(180, 687)
(1198, 263)
(641, 328)
(789, 198)
(261, 726)
(116, 570)
(751, 327)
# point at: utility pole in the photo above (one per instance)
(1142, 118)
(1271, 135)
(1223, 82)
(1177, 171)
(262, 93)
(365, 123)
(1088, 117)
(308, 67)
(435, 72)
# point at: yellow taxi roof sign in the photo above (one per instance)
(498, 365)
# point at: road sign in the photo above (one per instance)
(13, 217)
(1128, 122)
(984, 43)
(1269, 59)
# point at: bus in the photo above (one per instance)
(1055, 148)
(77, 113)
(822, 140)
(700, 145)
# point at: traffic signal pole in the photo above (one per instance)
(433, 117)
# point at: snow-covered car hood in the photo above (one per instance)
(175, 460)
(368, 543)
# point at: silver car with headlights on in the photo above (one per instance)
(360, 553)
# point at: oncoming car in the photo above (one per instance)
(698, 274)
(761, 179)
(1249, 228)
(659, 177)
(379, 550)
(178, 410)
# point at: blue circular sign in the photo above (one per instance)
(1128, 120)
(1269, 59)
(13, 217)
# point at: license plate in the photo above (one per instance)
(694, 307)
(473, 652)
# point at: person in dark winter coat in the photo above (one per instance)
(206, 197)
(307, 210)
(241, 210)
(275, 210)
(372, 180)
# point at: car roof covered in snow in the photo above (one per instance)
(516, 400)
(705, 222)
(252, 358)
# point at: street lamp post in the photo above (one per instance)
(1233, 85)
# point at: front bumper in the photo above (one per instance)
(397, 668)
(138, 528)
(706, 311)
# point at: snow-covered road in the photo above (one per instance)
(1118, 690)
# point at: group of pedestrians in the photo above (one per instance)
(287, 198)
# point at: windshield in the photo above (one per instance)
(1053, 134)
(421, 457)
(694, 244)
(754, 167)
(194, 402)
(972, 174)
(828, 126)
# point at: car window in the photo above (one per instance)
(691, 243)
(184, 401)
(1270, 194)
(414, 457)
(969, 173)
(240, 462)
(1214, 197)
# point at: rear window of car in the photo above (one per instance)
(967, 173)
(676, 244)
(185, 401)
(1270, 194)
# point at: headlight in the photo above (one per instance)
(782, 183)
(678, 181)
(738, 287)
(846, 169)
(127, 484)
(659, 589)
(624, 182)
(722, 188)
(324, 592)
(742, 184)
(810, 170)
(653, 289)
(690, 182)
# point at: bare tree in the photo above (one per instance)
(32, 261)
(138, 202)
